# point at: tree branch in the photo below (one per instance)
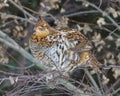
(21, 9)
(103, 13)
(12, 44)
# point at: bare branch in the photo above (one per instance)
(72, 87)
(103, 13)
(93, 82)
(11, 43)
(20, 8)
(81, 13)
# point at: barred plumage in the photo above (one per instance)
(62, 49)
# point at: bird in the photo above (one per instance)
(58, 46)
(61, 48)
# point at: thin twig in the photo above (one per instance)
(11, 43)
(100, 3)
(81, 13)
(20, 18)
(106, 29)
(72, 87)
(115, 92)
(113, 85)
(93, 82)
(21, 9)
(103, 13)
(8, 73)
(18, 68)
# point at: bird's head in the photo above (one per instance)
(42, 28)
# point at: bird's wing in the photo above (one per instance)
(82, 43)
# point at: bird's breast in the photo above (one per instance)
(60, 52)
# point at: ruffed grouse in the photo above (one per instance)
(61, 49)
